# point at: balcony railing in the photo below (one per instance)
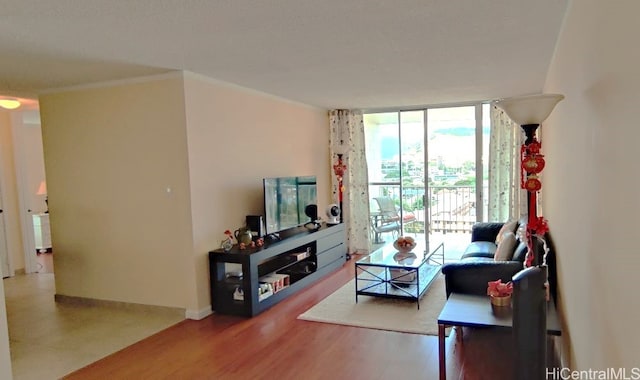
(449, 208)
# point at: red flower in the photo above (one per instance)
(499, 289)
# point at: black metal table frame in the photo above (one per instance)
(396, 282)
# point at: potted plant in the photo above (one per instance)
(227, 243)
(500, 292)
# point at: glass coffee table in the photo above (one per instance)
(390, 274)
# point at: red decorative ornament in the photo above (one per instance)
(533, 163)
(532, 184)
(538, 226)
(534, 147)
(339, 168)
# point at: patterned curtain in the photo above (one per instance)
(346, 136)
(506, 199)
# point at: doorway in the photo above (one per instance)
(4, 249)
(24, 185)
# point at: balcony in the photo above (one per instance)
(448, 217)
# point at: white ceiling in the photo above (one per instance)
(328, 53)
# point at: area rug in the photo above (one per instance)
(381, 313)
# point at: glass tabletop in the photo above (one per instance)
(388, 256)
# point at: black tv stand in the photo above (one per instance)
(300, 257)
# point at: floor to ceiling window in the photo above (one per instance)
(430, 164)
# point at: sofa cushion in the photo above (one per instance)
(485, 231)
(520, 252)
(509, 226)
(480, 249)
(507, 245)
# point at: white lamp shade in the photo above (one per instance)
(531, 109)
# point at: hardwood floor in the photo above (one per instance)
(276, 345)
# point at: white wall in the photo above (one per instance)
(111, 151)
(118, 184)
(28, 135)
(8, 179)
(591, 181)
(5, 357)
(236, 138)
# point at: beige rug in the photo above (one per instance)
(381, 313)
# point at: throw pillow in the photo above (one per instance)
(509, 226)
(504, 251)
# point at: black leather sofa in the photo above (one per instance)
(477, 266)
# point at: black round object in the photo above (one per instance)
(312, 212)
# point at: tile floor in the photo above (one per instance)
(49, 340)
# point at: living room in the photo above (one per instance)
(177, 159)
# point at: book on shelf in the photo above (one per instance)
(301, 255)
(264, 291)
(276, 280)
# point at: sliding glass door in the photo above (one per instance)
(429, 163)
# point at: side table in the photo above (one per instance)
(476, 311)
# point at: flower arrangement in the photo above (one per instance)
(499, 289)
(227, 243)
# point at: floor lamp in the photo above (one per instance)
(531, 285)
(529, 112)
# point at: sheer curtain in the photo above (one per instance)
(346, 136)
(506, 199)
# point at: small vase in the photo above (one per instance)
(226, 245)
(501, 301)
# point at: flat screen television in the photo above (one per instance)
(285, 200)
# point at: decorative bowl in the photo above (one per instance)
(404, 244)
(405, 258)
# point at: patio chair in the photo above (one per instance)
(390, 215)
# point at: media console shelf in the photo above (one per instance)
(299, 259)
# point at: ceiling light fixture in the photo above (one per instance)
(9, 104)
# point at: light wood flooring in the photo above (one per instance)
(276, 345)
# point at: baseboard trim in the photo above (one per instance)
(73, 300)
(198, 314)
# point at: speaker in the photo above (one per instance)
(333, 213)
(312, 212)
(256, 224)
